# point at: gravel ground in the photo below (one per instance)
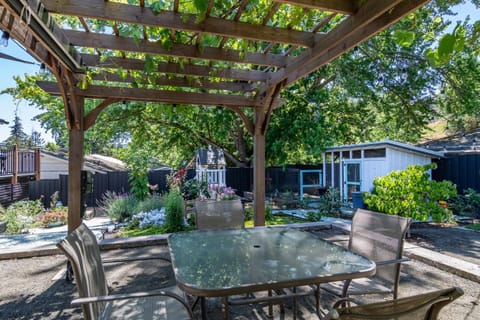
(29, 289)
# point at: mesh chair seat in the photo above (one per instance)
(162, 307)
(358, 287)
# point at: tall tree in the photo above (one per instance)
(391, 86)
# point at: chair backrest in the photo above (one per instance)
(81, 248)
(219, 214)
(425, 306)
(380, 237)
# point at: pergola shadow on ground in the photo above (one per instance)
(236, 55)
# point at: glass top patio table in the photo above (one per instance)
(216, 263)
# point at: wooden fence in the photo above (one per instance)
(241, 179)
(463, 170)
(10, 193)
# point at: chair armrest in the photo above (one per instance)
(115, 260)
(381, 263)
(333, 313)
(343, 300)
(125, 296)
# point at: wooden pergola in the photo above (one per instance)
(237, 54)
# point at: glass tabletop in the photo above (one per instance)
(224, 262)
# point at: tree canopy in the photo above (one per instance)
(391, 86)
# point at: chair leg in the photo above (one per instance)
(225, 308)
(294, 307)
(69, 273)
(270, 305)
(317, 299)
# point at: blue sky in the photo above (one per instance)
(9, 69)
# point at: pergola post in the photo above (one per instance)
(259, 170)
(75, 164)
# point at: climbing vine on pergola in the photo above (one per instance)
(237, 54)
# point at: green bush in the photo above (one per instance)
(330, 202)
(193, 188)
(174, 210)
(119, 207)
(411, 193)
(467, 204)
(148, 204)
(21, 215)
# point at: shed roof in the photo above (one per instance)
(459, 143)
(210, 156)
(94, 162)
(387, 143)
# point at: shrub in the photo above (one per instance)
(330, 202)
(51, 217)
(411, 193)
(175, 211)
(155, 217)
(119, 207)
(467, 204)
(193, 188)
(153, 202)
(21, 215)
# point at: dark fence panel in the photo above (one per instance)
(159, 178)
(239, 179)
(43, 189)
(63, 196)
(463, 170)
(10, 193)
(118, 182)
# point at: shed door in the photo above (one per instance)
(351, 178)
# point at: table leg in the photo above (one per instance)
(203, 307)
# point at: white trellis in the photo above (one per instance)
(210, 166)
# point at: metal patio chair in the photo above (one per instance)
(425, 306)
(380, 238)
(81, 248)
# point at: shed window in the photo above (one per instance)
(356, 154)
(375, 153)
(346, 154)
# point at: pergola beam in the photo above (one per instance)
(95, 61)
(46, 31)
(152, 95)
(379, 24)
(180, 82)
(339, 6)
(105, 41)
(114, 11)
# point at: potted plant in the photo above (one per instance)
(222, 209)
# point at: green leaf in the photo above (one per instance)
(404, 38)
(150, 64)
(201, 6)
(157, 7)
(446, 46)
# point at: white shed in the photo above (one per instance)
(352, 168)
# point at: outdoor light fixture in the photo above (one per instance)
(124, 105)
(404, 74)
(42, 69)
(5, 38)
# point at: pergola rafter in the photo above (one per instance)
(227, 53)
